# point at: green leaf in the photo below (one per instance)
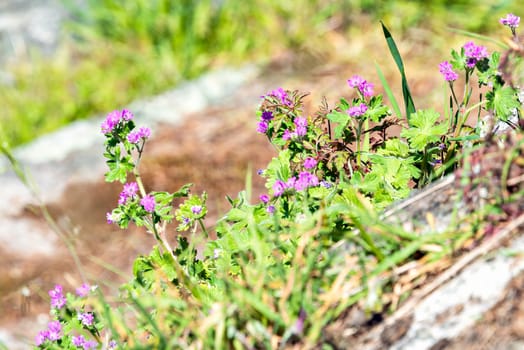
(342, 120)
(424, 129)
(388, 91)
(408, 99)
(502, 100)
(278, 168)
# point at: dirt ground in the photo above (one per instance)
(214, 150)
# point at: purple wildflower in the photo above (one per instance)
(310, 163)
(301, 126)
(186, 220)
(511, 21)
(355, 81)
(142, 133)
(112, 344)
(357, 111)
(362, 85)
(55, 329)
(278, 188)
(305, 180)
(130, 190)
(112, 120)
(90, 344)
(86, 318)
(148, 202)
(83, 290)
(287, 135)
(262, 126)
(196, 209)
(290, 183)
(446, 70)
(127, 115)
(78, 340)
(41, 337)
(270, 209)
(267, 115)
(326, 184)
(109, 218)
(57, 297)
(264, 198)
(474, 53)
(282, 95)
(260, 172)
(367, 89)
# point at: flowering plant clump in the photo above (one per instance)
(73, 324)
(275, 275)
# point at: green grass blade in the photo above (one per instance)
(480, 37)
(408, 99)
(388, 91)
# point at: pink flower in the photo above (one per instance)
(355, 81)
(142, 133)
(54, 328)
(305, 180)
(148, 202)
(357, 111)
(41, 337)
(86, 318)
(57, 297)
(362, 85)
(301, 126)
(310, 163)
(287, 135)
(127, 115)
(262, 127)
(446, 70)
(83, 290)
(278, 188)
(112, 120)
(130, 190)
(264, 198)
(510, 20)
(474, 53)
(109, 218)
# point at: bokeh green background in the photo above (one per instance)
(116, 51)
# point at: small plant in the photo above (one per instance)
(276, 275)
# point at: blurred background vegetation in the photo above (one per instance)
(116, 51)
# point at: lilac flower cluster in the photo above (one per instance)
(511, 21)
(310, 163)
(362, 85)
(83, 290)
(142, 133)
(196, 209)
(148, 202)
(129, 192)
(300, 129)
(115, 117)
(304, 180)
(52, 333)
(80, 341)
(446, 70)
(264, 198)
(474, 53)
(58, 299)
(357, 111)
(55, 330)
(281, 95)
(86, 318)
(263, 124)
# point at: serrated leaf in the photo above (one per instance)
(338, 117)
(424, 129)
(503, 100)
